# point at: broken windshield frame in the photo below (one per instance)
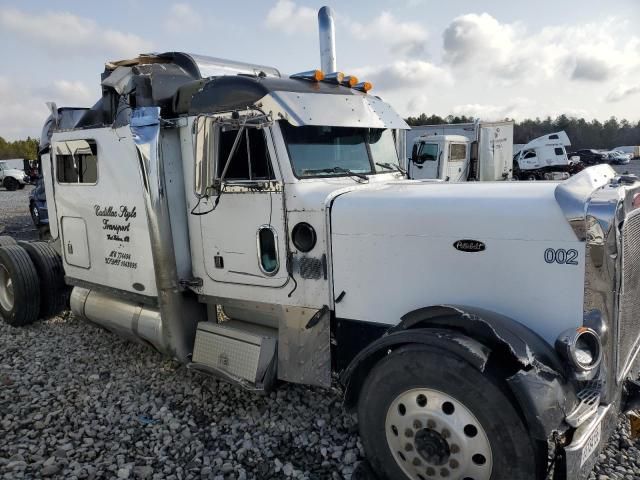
(326, 151)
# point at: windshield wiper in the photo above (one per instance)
(390, 166)
(351, 173)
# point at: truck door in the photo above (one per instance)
(243, 237)
(457, 163)
(425, 164)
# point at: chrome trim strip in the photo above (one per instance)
(572, 195)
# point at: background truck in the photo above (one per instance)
(12, 178)
(254, 227)
(461, 152)
(633, 150)
(546, 158)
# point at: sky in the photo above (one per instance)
(490, 59)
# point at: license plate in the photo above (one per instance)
(591, 444)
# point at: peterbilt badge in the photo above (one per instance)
(469, 245)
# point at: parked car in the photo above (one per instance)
(590, 156)
(38, 204)
(616, 157)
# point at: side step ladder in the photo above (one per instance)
(239, 352)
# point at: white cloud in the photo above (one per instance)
(478, 38)
(403, 38)
(285, 15)
(183, 18)
(621, 93)
(590, 52)
(24, 111)
(404, 73)
(66, 34)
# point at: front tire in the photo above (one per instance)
(35, 214)
(11, 184)
(426, 413)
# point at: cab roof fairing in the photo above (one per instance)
(316, 109)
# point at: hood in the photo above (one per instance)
(475, 210)
(13, 171)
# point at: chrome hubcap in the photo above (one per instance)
(432, 435)
(6, 289)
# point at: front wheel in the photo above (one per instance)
(425, 413)
(11, 184)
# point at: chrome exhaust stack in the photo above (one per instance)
(327, 30)
(179, 315)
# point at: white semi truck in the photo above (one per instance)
(545, 158)
(254, 227)
(461, 152)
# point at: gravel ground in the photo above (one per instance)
(14, 214)
(78, 402)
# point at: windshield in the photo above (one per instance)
(325, 151)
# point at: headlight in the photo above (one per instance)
(581, 347)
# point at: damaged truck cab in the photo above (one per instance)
(256, 228)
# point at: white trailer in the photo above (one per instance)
(461, 152)
(487, 326)
(545, 158)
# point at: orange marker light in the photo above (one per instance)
(313, 75)
(335, 77)
(363, 86)
(350, 81)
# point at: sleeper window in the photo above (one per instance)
(251, 158)
(76, 161)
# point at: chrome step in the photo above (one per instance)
(589, 400)
(240, 352)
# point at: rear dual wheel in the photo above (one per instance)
(54, 293)
(31, 282)
(425, 413)
(19, 287)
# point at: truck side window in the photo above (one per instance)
(251, 158)
(268, 250)
(559, 151)
(529, 154)
(428, 152)
(458, 152)
(76, 161)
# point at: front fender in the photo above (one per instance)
(533, 371)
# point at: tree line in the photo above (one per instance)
(26, 149)
(582, 133)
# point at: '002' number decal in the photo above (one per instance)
(561, 256)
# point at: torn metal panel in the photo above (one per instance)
(493, 329)
(545, 400)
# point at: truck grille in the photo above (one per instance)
(629, 317)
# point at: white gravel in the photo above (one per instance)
(79, 402)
